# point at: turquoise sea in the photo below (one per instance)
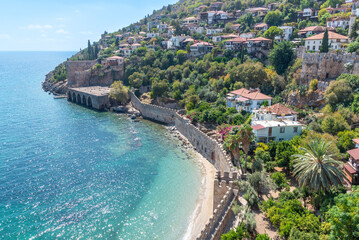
(67, 172)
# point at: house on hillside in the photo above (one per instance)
(306, 32)
(216, 6)
(287, 33)
(275, 123)
(337, 9)
(261, 27)
(336, 22)
(247, 100)
(236, 27)
(257, 12)
(258, 45)
(200, 8)
(235, 43)
(210, 32)
(201, 48)
(336, 41)
(190, 20)
(351, 168)
(220, 38)
(275, 112)
(275, 130)
(113, 61)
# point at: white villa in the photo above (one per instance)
(275, 123)
(247, 100)
(336, 41)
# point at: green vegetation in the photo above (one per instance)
(59, 73)
(119, 93)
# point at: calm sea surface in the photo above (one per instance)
(70, 172)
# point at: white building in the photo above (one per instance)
(287, 32)
(152, 35)
(336, 41)
(211, 32)
(338, 22)
(247, 100)
(275, 130)
(307, 12)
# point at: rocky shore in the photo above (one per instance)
(56, 88)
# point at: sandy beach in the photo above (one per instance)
(204, 205)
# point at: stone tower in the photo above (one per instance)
(353, 16)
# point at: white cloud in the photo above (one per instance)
(5, 36)
(62, 31)
(39, 27)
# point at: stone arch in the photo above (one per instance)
(89, 102)
(69, 97)
(73, 97)
(78, 99)
(84, 100)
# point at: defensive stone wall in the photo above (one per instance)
(79, 74)
(75, 72)
(206, 146)
(324, 66)
(222, 207)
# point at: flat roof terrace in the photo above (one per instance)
(93, 90)
(93, 97)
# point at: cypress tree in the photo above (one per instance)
(324, 48)
(96, 51)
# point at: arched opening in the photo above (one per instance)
(73, 97)
(69, 98)
(84, 100)
(78, 99)
(89, 102)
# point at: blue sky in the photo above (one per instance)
(65, 25)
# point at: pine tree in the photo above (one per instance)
(324, 48)
(89, 50)
(117, 42)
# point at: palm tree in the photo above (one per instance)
(246, 136)
(317, 166)
(232, 144)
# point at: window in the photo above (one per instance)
(295, 129)
(282, 130)
(281, 139)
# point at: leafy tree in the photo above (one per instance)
(282, 56)
(232, 144)
(181, 56)
(316, 167)
(334, 123)
(236, 234)
(273, 18)
(272, 32)
(324, 48)
(353, 47)
(339, 92)
(260, 182)
(345, 140)
(159, 88)
(263, 237)
(119, 93)
(343, 216)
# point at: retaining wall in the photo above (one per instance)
(206, 146)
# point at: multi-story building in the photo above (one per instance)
(275, 123)
(247, 100)
(336, 22)
(336, 41)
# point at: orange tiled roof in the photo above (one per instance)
(331, 35)
(254, 95)
(279, 109)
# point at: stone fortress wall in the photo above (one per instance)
(326, 66)
(225, 190)
(79, 74)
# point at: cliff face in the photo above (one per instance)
(56, 88)
(312, 99)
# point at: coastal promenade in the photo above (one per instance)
(225, 191)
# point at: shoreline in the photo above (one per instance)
(204, 203)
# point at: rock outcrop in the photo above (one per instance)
(311, 99)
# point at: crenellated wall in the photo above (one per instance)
(324, 66)
(205, 145)
(223, 203)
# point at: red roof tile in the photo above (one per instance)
(331, 35)
(356, 140)
(354, 153)
(279, 110)
(349, 168)
(254, 95)
(258, 127)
